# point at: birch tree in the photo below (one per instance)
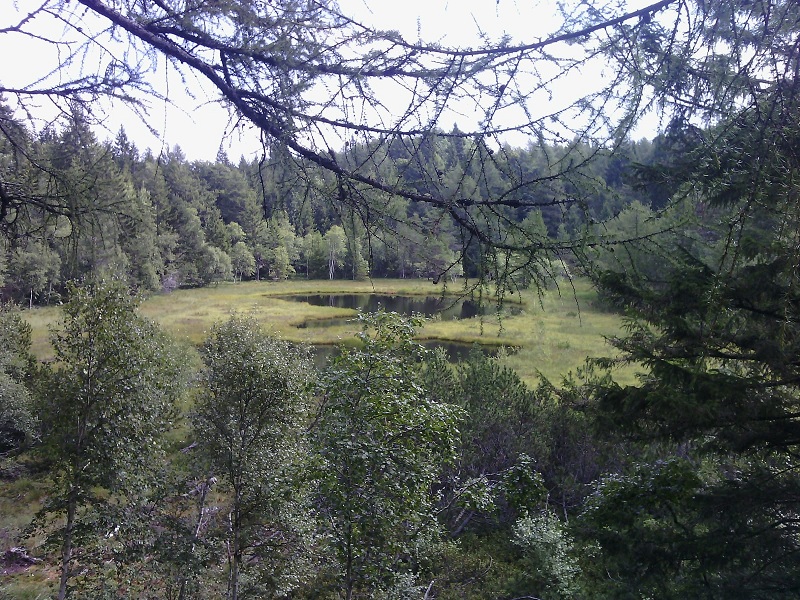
(250, 422)
(108, 402)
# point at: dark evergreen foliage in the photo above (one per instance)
(716, 331)
(165, 222)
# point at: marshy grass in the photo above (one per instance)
(553, 334)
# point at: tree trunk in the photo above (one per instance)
(349, 568)
(236, 553)
(234, 576)
(66, 548)
(205, 486)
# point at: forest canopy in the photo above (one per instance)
(318, 83)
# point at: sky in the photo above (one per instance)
(200, 126)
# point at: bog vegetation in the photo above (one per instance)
(135, 465)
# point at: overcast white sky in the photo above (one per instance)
(199, 128)
(198, 125)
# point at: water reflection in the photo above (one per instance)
(447, 308)
(429, 306)
(456, 351)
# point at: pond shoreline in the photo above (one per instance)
(554, 333)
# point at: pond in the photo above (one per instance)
(456, 351)
(429, 306)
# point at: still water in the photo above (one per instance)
(456, 351)
(429, 306)
(447, 308)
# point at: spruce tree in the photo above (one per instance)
(716, 411)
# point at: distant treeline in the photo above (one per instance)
(73, 205)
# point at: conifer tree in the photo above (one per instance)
(715, 330)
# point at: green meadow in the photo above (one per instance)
(553, 334)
